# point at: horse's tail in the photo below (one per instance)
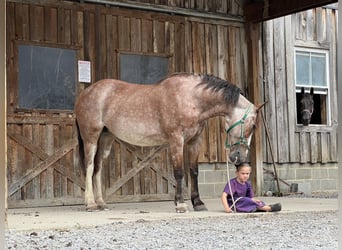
(80, 148)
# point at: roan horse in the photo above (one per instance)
(172, 112)
(306, 106)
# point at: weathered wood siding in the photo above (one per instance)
(42, 149)
(314, 28)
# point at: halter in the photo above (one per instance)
(306, 110)
(242, 139)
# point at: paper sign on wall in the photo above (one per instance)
(84, 71)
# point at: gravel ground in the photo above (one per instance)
(302, 230)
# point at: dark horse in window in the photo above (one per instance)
(306, 106)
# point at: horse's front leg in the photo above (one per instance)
(193, 153)
(178, 171)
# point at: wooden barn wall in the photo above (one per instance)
(42, 147)
(315, 28)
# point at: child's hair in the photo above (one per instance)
(243, 164)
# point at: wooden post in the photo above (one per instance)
(253, 35)
(3, 143)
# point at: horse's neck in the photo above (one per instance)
(216, 107)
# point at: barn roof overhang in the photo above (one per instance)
(262, 10)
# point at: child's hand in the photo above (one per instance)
(228, 210)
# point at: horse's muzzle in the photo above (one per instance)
(237, 157)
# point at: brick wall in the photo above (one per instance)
(311, 178)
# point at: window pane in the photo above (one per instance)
(47, 78)
(318, 69)
(143, 69)
(302, 68)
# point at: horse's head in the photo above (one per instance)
(306, 106)
(240, 128)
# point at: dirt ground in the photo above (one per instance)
(64, 217)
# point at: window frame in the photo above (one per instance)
(319, 90)
(14, 106)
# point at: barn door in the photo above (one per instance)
(41, 162)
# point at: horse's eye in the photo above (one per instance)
(254, 127)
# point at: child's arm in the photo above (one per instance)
(225, 202)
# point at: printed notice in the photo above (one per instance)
(84, 71)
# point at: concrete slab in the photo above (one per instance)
(67, 217)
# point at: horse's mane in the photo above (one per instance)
(230, 91)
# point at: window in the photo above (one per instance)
(47, 78)
(144, 69)
(312, 72)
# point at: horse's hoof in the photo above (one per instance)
(92, 208)
(103, 207)
(182, 208)
(200, 208)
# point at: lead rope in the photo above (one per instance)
(230, 187)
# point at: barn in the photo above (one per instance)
(55, 49)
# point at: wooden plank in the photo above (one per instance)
(135, 34)
(36, 23)
(281, 90)
(313, 147)
(198, 47)
(124, 31)
(21, 21)
(254, 32)
(321, 28)
(27, 159)
(303, 147)
(188, 67)
(36, 159)
(146, 35)
(289, 55)
(310, 25)
(170, 46)
(231, 55)
(325, 147)
(180, 47)
(62, 201)
(158, 36)
(51, 20)
(43, 120)
(222, 44)
(101, 49)
(11, 64)
(89, 41)
(211, 57)
(112, 44)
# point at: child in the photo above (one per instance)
(243, 194)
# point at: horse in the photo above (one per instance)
(306, 106)
(172, 111)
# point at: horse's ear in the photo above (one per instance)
(311, 91)
(260, 106)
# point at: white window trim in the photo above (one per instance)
(317, 89)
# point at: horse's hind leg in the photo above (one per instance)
(89, 154)
(103, 150)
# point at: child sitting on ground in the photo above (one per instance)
(243, 194)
